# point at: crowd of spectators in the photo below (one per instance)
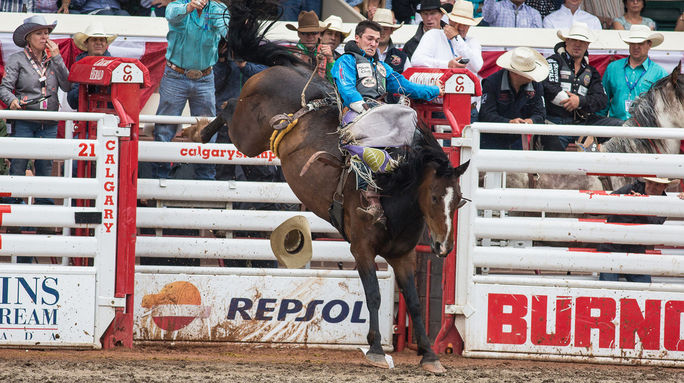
(563, 88)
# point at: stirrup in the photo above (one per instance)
(375, 213)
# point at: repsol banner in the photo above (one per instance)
(582, 322)
(44, 307)
(259, 309)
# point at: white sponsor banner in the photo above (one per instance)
(577, 322)
(41, 306)
(259, 309)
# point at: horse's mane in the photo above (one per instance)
(643, 113)
(400, 187)
(250, 20)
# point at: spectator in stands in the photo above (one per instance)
(651, 186)
(605, 10)
(32, 78)
(511, 14)
(387, 52)
(153, 8)
(93, 42)
(309, 31)
(477, 8)
(573, 91)
(680, 23)
(188, 77)
(514, 95)
(431, 14)
(545, 7)
(16, 6)
(99, 7)
(404, 10)
(633, 16)
(625, 79)
(292, 8)
(569, 13)
(361, 78)
(367, 8)
(334, 35)
(51, 6)
(444, 48)
(31, 82)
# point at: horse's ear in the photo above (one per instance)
(674, 76)
(461, 168)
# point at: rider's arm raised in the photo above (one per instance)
(397, 83)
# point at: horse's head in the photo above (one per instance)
(439, 196)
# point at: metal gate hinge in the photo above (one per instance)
(111, 302)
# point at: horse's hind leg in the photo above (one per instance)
(366, 268)
(404, 269)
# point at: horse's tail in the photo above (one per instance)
(250, 20)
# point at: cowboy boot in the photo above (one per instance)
(374, 209)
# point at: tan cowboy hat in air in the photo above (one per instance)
(95, 29)
(659, 180)
(385, 18)
(526, 62)
(578, 31)
(291, 242)
(335, 24)
(29, 25)
(307, 22)
(462, 13)
(640, 33)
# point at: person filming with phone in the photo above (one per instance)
(32, 78)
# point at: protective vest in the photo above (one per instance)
(569, 82)
(371, 77)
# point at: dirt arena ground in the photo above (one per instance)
(248, 364)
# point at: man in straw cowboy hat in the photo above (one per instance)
(333, 36)
(446, 47)
(309, 31)
(93, 42)
(431, 15)
(387, 52)
(514, 95)
(573, 91)
(650, 186)
(625, 79)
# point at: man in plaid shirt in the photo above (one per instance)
(511, 14)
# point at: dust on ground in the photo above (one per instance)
(234, 363)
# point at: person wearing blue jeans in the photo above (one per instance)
(174, 90)
(195, 29)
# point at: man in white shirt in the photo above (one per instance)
(444, 48)
(571, 12)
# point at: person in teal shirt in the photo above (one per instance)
(195, 29)
(625, 79)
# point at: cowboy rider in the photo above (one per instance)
(360, 77)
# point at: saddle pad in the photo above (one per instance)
(386, 125)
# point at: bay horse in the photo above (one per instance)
(423, 189)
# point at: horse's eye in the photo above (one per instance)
(434, 199)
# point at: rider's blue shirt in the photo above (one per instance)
(345, 76)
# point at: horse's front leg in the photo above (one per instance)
(365, 262)
(404, 269)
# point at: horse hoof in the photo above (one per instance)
(377, 360)
(434, 367)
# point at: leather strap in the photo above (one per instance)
(186, 71)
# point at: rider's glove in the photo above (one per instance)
(358, 106)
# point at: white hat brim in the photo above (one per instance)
(538, 74)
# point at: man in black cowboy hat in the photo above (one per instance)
(431, 13)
